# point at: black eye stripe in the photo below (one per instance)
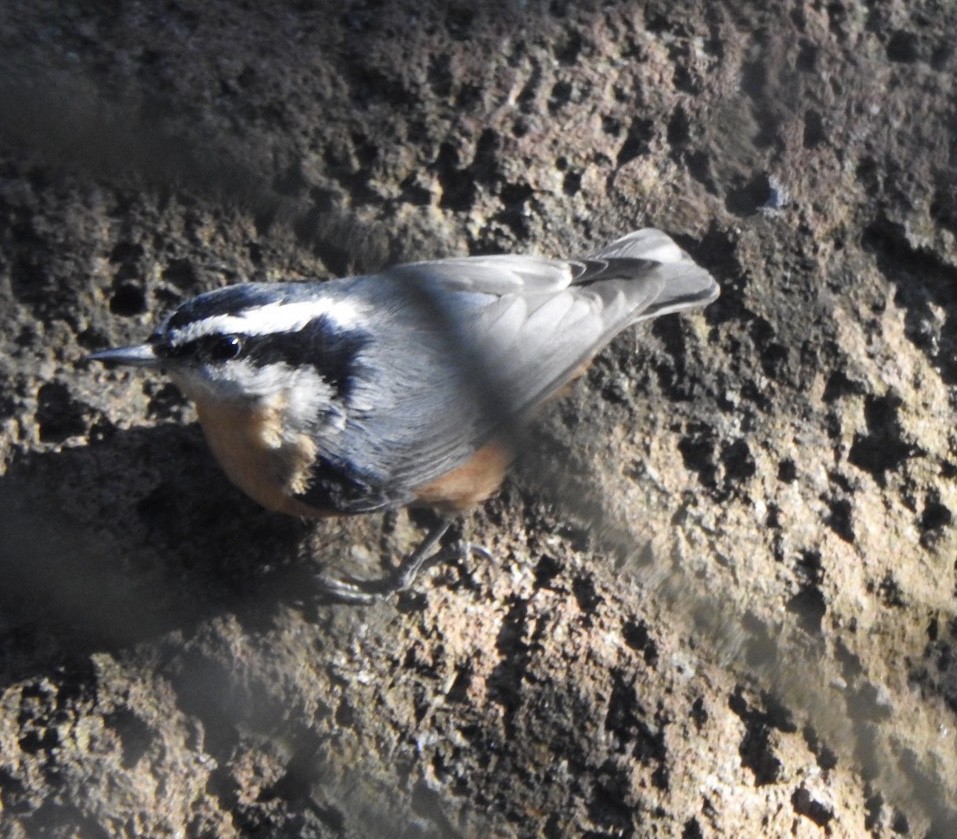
(321, 344)
(206, 348)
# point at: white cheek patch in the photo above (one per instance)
(307, 398)
(311, 400)
(273, 317)
(243, 382)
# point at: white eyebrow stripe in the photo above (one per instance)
(273, 317)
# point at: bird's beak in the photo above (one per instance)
(141, 355)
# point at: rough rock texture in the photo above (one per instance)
(722, 600)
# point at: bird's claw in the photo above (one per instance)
(357, 591)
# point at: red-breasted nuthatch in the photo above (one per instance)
(406, 387)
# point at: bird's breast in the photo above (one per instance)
(258, 455)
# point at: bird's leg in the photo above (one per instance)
(353, 590)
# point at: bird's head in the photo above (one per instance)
(256, 341)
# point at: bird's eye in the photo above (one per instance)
(225, 347)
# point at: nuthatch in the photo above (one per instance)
(408, 387)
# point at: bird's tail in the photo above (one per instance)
(662, 275)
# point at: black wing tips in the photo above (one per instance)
(651, 257)
(677, 299)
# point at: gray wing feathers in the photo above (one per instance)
(647, 243)
(681, 283)
(491, 274)
(537, 342)
(653, 273)
(523, 327)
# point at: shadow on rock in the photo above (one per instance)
(105, 545)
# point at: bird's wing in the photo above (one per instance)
(535, 321)
(499, 335)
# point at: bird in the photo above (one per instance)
(409, 387)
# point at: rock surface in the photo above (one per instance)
(722, 600)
